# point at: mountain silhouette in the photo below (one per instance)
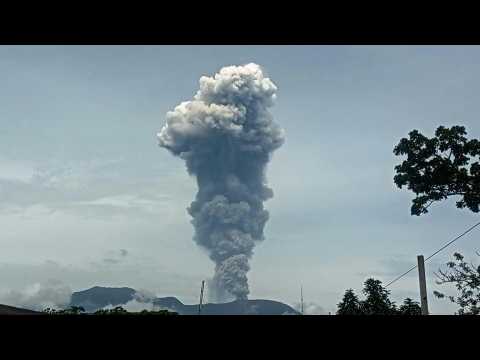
(98, 297)
(237, 307)
(11, 310)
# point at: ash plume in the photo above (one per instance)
(226, 136)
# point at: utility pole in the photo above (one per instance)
(423, 284)
(201, 298)
(301, 299)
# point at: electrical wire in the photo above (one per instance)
(435, 253)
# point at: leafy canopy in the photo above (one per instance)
(376, 302)
(78, 310)
(438, 167)
(410, 307)
(73, 310)
(350, 305)
(466, 277)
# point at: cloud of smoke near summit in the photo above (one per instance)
(226, 136)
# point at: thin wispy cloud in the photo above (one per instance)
(89, 189)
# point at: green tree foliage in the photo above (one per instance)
(73, 310)
(118, 310)
(410, 307)
(157, 312)
(439, 167)
(121, 311)
(466, 277)
(376, 302)
(350, 305)
(78, 310)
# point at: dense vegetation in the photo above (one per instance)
(376, 302)
(466, 277)
(78, 310)
(437, 168)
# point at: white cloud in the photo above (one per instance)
(127, 201)
(85, 188)
(310, 308)
(139, 273)
(15, 170)
(39, 296)
(142, 300)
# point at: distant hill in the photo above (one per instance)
(99, 297)
(10, 310)
(238, 307)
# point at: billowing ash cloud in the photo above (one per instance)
(226, 136)
(39, 296)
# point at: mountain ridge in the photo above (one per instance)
(13, 310)
(98, 297)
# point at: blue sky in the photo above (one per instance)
(82, 176)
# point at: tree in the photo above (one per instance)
(350, 305)
(73, 310)
(466, 278)
(435, 169)
(410, 307)
(118, 310)
(121, 311)
(157, 312)
(439, 167)
(78, 310)
(377, 301)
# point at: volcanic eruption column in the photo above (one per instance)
(226, 136)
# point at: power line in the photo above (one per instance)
(435, 253)
(451, 242)
(399, 277)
